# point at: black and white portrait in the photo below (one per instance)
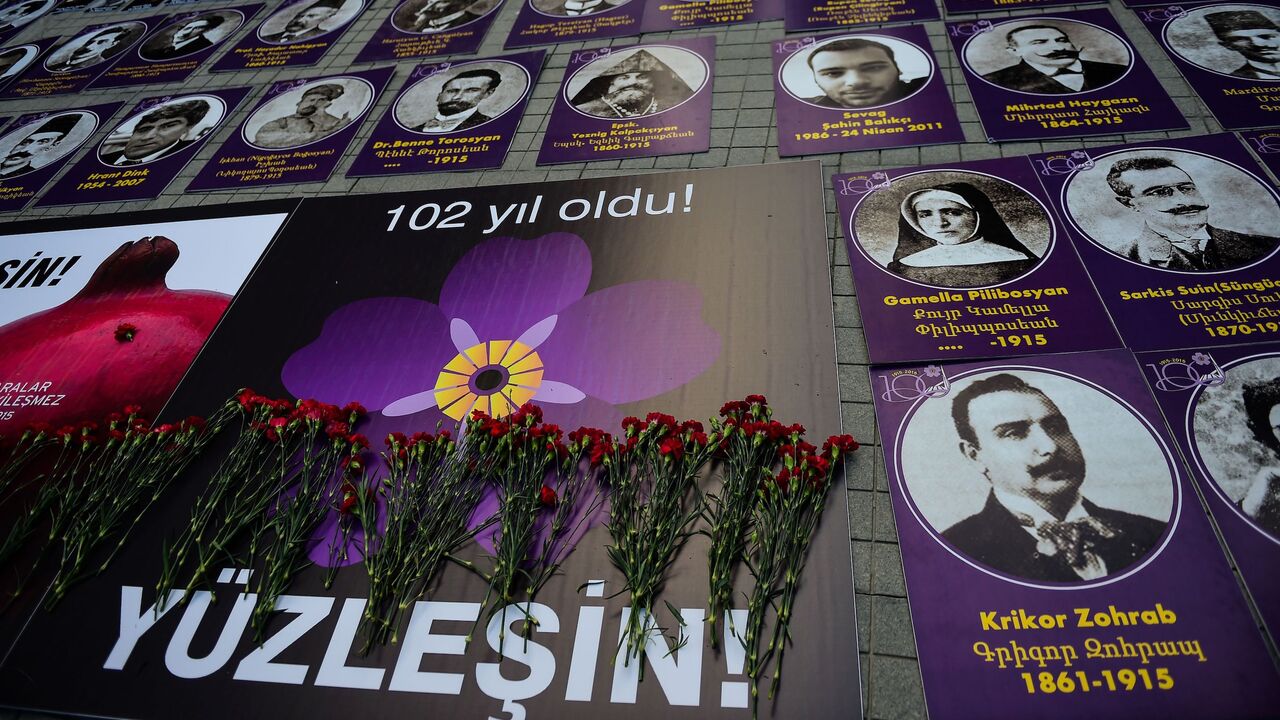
(856, 71)
(574, 8)
(1175, 210)
(15, 59)
(461, 97)
(953, 229)
(1242, 41)
(421, 17)
(191, 35)
(22, 13)
(308, 113)
(1048, 56)
(1038, 476)
(160, 131)
(307, 20)
(1236, 432)
(637, 82)
(47, 140)
(94, 47)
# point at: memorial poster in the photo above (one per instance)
(15, 59)
(549, 22)
(18, 14)
(1222, 406)
(860, 91)
(72, 65)
(965, 260)
(452, 116)
(954, 7)
(1230, 55)
(801, 15)
(297, 133)
(1069, 74)
(422, 28)
(1179, 236)
(1265, 144)
(1058, 562)
(298, 33)
(140, 157)
(664, 15)
(632, 101)
(174, 51)
(37, 145)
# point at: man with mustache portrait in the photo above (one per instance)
(306, 23)
(1050, 63)
(637, 85)
(39, 147)
(1036, 524)
(1176, 232)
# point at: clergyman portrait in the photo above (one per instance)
(637, 82)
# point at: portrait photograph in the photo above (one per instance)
(856, 72)
(23, 12)
(1235, 428)
(191, 35)
(1240, 41)
(162, 130)
(1037, 476)
(462, 96)
(48, 140)
(575, 8)
(1048, 56)
(1174, 210)
(422, 17)
(94, 47)
(637, 82)
(308, 113)
(953, 229)
(16, 59)
(307, 19)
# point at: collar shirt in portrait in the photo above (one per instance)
(1072, 75)
(123, 161)
(1263, 72)
(583, 7)
(1048, 532)
(446, 22)
(445, 123)
(1157, 248)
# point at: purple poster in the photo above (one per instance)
(18, 14)
(1223, 406)
(548, 22)
(1266, 145)
(1057, 561)
(141, 155)
(299, 33)
(1179, 236)
(663, 15)
(15, 59)
(633, 101)
(965, 261)
(296, 134)
(1064, 75)
(422, 28)
(860, 91)
(803, 15)
(451, 116)
(35, 146)
(1230, 55)
(71, 66)
(973, 6)
(174, 51)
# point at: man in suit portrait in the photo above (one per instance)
(1261, 500)
(306, 23)
(439, 15)
(191, 37)
(15, 16)
(1036, 524)
(578, 8)
(1049, 62)
(639, 84)
(309, 121)
(99, 47)
(30, 152)
(1254, 37)
(159, 133)
(1176, 231)
(457, 103)
(858, 73)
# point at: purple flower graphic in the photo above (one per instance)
(1201, 358)
(514, 324)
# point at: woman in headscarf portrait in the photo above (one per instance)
(645, 82)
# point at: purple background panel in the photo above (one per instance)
(391, 43)
(535, 27)
(1135, 102)
(17, 191)
(950, 593)
(91, 180)
(1157, 308)
(394, 149)
(823, 14)
(973, 6)
(138, 70)
(1265, 144)
(1236, 102)
(574, 136)
(39, 81)
(1215, 437)
(254, 52)
(39, 47)
(661, 15)
(925, 116)
(239, 164)
(1050, 307)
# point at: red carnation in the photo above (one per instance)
(756, 400)
(547, 496)
(672, 447)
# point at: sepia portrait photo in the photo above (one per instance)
(462, 96)
(1242, 41)
(574, 8)
(421, 17)
(1037, 476)
(953, 229)
(637, 82)
(1174, 210)
(1048, 56)
(856, 71)
(307, 19)
(162, 130)
(185, 37)
(44, 141)
(308, 113)
(94, 47)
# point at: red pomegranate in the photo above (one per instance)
(87, 352)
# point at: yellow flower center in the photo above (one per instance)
(496, 376)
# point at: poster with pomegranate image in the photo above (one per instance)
(587, 300)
